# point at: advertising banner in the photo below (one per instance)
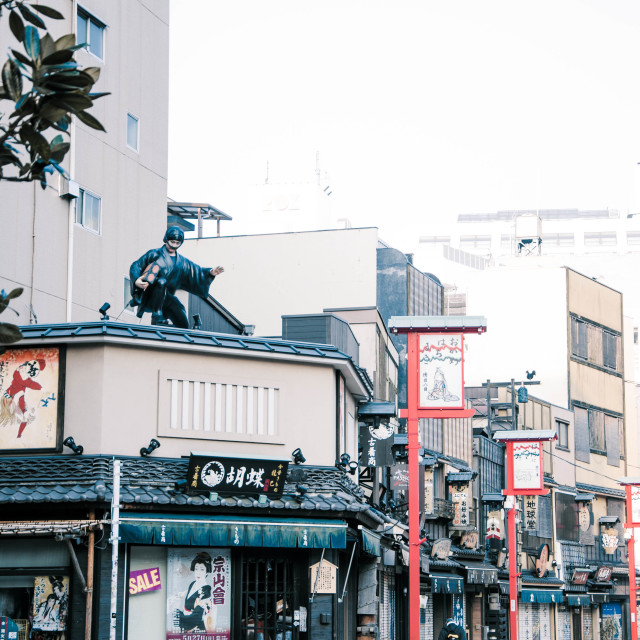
(441, 381)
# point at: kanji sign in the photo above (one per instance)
(530, 513)
(248, 476)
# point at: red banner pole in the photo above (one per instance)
(414, 485)
(633, 607)
(513, 573)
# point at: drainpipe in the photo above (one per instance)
(89, 605)
(115, 537)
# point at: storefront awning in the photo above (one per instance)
(446, 583)
(541, 595)
(228, 531)
(480, 572)
(578, 600)
(371, 542)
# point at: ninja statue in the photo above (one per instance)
(159, 273)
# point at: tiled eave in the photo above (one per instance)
(151, 482)
(161, 337)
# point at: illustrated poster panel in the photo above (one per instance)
(527, 472)
(441, 371)
(29, 399)
(198, 594)
(635, 504)
(50, 603)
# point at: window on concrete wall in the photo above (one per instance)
(600, 238)
(88, 210)
(562, 429)
(90, 33)
(596, 345)
(133, 132)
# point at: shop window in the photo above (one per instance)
(269, 603)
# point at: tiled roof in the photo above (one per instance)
(152, 481)
(157, 334)
(592, 488)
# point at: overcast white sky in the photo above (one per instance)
(420, 109)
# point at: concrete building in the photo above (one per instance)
(70, 245)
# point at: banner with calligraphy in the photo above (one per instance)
(198, 594)
(460, 495)
(428, 490)
(527, 465)
(248, 476)
(441, 370)
(376, 446)
(530, 513)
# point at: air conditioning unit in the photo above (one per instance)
(69, 189)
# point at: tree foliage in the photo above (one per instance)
(8, 332)
(45, 87)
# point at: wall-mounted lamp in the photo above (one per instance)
(153, 445)
(297, 456)
(346, 464)
(554, 564)
(71, 443)
(103, 310)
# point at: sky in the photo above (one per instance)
(418, 110)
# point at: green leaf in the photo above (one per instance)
(57, 140)
(12, 80)
(75, 100)
(32, 42)
(48, 11)
(89, 120)
(9, 333)
(16, 25)
(31, 17)
(36, 141)
(92, 72)
(47, 46)
(14, 293)
(22, 57)
(59, 151)
(58, 57)
(65, 42)
(95, 96)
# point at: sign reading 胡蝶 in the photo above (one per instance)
(144, 580)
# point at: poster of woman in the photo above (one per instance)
(198, 594)
(50, 605)
(30, 403)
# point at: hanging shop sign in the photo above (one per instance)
(248, 476)
(524, 467)
(144, 580)
(323, 577)
(460, 498)
(469, 540)
(198, 594)
(428, 490)
(542, 562)
(495, 526)
(585, 516)
(400, 477)
(633, 505)
(610, 540)
(604, 573)
(530, 513)
(580, 576)
(441, 370)
(8, 629)
(441, 549)
(376, 445)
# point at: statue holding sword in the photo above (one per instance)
(159, 273)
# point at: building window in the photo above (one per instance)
(633, 238)
(558, 240)
(88, 210)
(566, 517)
(594, 344)
(90, 33)
(600, 239)
(434, 240)
(475, 242)
(132, 132)
(596, 431)
(562, 429)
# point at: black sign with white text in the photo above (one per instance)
(247, 476)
